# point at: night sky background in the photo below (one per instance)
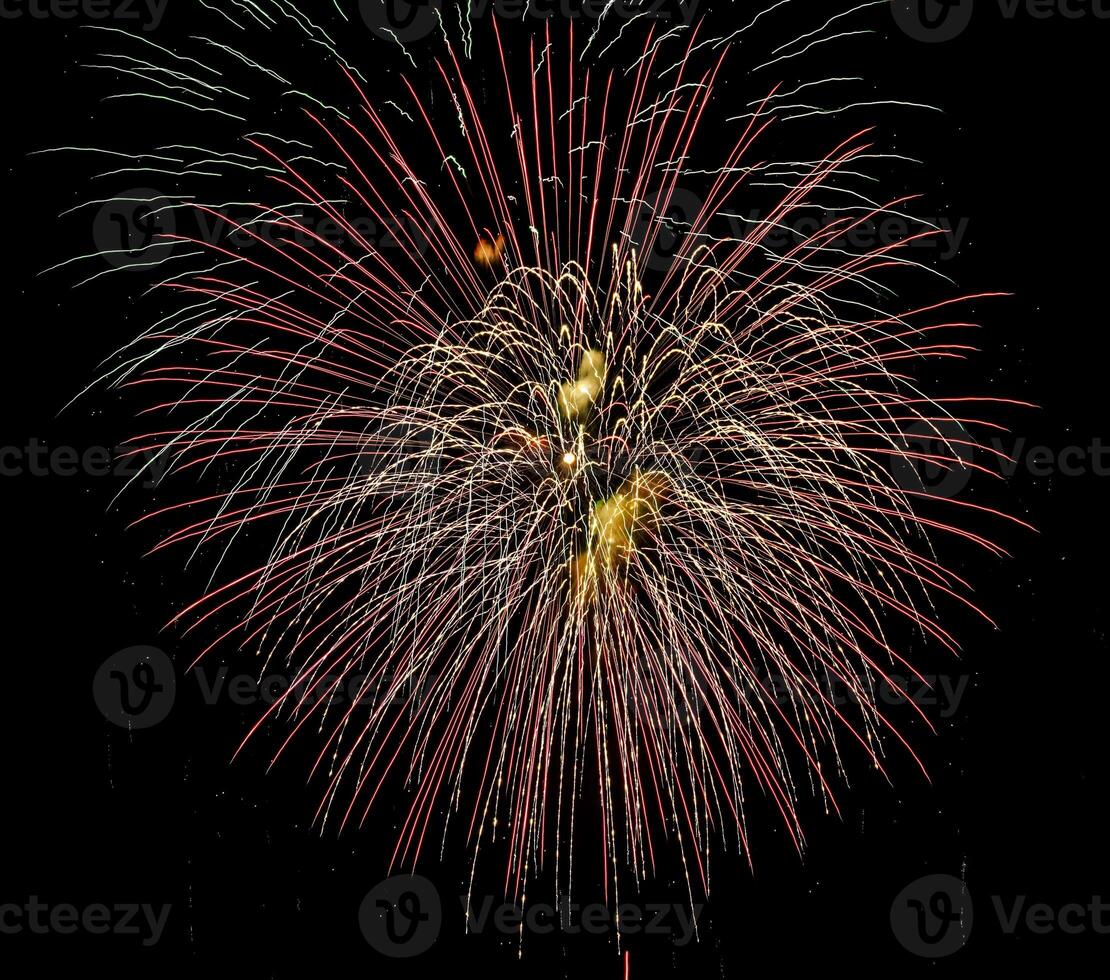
(1014, 804)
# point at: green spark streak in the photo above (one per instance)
(393, 35)
(146, 40)
(166, 98)
(244, 59)
(322, 105)
(281, 139)
(114, 153)
(466, 28)
(224, 14)
(458, 110)
(259, 15)
(146, 78)
(146, 66)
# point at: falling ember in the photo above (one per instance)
(488, 253)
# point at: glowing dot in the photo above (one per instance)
(570, 459)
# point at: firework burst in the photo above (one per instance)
(595, 532)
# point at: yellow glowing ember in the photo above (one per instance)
(577, 397)
(615, 526)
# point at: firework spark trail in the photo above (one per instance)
(564, 593)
